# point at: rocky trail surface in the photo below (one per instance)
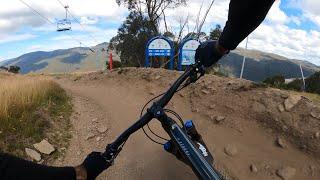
(253, 132)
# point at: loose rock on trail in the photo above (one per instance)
(239, 122)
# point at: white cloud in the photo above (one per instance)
(291, 43)
(312, 6)
(218, 13)
(88, 20)
(309, 8)
(313, 17)
(68, 42)
(276, 37)
(90, 37)
(18, 37)
(296, 20)
(276, 15)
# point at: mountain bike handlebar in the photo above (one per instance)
(197, 162)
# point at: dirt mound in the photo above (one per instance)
(254, 132)
(285, 113)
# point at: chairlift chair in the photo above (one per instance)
(64, 24)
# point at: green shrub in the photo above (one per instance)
(313, 83)
(277, 81)
(14, 69)
(296, 85)
(219, 70)
(115, 64)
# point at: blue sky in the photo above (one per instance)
(291, 28)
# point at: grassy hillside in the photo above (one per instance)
(31, 108)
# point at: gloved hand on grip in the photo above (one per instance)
(196, 139)
(209, 53)
(93, 165)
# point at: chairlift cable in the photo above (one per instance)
(37, 12)
(48, 20)
(78, 21)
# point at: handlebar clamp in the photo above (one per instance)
(156, 111)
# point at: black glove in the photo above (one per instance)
(94, 165)
(197, 140)
(208, 53)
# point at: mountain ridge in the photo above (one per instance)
(259, 64)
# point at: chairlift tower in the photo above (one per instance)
(244, 59)
(303, 78)
(64, 24)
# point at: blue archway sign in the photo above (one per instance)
(187, 52)
(159, 46)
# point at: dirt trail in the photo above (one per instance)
(114, 101)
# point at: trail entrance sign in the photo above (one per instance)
(187, 52)
(159, 46)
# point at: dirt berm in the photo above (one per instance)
(253, 131)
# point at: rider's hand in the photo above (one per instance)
(209, 52)
(197, 140)
(94, 164)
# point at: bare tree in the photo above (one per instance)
(183, 24)
(153, 8)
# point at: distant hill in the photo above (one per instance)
(62, 60)
(259, 65)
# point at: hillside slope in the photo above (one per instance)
(244, 126)
(63, 60)
(260, 65)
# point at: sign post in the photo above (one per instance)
(159, 46)
(187, 52)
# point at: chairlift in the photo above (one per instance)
(64, 24)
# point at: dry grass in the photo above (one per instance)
(20, 94)
(28, 104)
(315, 98)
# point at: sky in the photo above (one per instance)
(291, 28)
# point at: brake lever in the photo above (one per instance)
(197, 73)
(110, 154)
